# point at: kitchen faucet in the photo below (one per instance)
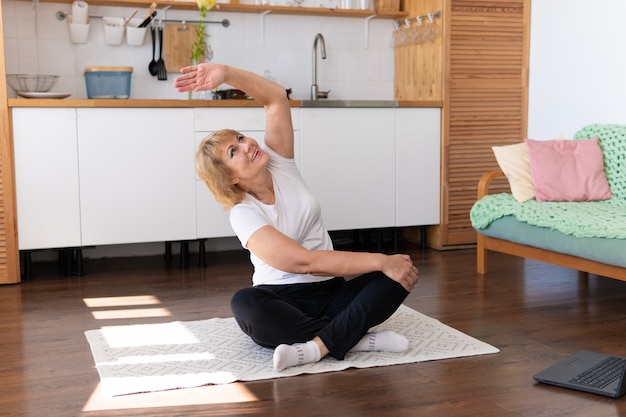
(315, 93)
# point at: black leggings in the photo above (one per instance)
(340, 312)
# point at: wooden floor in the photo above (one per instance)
(535, 313)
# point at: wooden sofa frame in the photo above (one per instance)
(486, 243)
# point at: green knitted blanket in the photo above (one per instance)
(613, 144)
(585, 219)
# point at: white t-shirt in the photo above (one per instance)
(296, 213)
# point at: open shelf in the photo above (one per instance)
(249, 8)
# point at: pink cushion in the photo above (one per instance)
(568, 170)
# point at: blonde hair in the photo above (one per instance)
(214, 173)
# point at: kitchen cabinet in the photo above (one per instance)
(46, 177)
(348, 160)
(136, 175)
(417, 181)
(99, 176)
(373, 167)
(212, 220)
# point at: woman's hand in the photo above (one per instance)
(201, 77)
(400, 268)
(273, 97)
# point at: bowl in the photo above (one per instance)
(31, 83)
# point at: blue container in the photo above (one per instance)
(108, 82)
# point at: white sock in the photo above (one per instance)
(385, 340)
(286, 356)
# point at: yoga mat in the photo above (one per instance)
(155, 357)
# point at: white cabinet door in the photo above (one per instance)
(236, 118)
(417, 166)
(348, 162)
(212, 220)
(137, 181)
(46, 176)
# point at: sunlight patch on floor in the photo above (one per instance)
(213, 394)
(131, 300)
(131, 313)
(146, 335)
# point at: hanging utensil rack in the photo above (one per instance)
(437, 15)
(61, 15)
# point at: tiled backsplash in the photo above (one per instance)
(359, 64)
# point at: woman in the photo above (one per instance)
(299, 303)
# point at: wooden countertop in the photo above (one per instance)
(23, 102)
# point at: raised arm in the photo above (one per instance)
(273, 97)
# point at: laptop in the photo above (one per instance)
(593, 372)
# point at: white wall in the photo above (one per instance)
(577, 66)
(36, 42)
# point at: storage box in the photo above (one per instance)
(108, 82)
(387, 5)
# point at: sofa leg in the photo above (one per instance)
(481, 255)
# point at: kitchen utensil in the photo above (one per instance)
(149, 15)
(147, 20)
(153, 67)
(31, 83)
(161, 70)
(151, 9)
(130, 17)
(177, 50)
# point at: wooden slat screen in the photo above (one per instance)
(419, 67)
(9, 254)
(485, 102)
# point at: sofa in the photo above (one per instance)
(566, 205)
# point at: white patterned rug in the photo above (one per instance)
(155, 357)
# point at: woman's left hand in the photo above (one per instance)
(201, 77)
(400, 268)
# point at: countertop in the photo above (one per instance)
(23, 102)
